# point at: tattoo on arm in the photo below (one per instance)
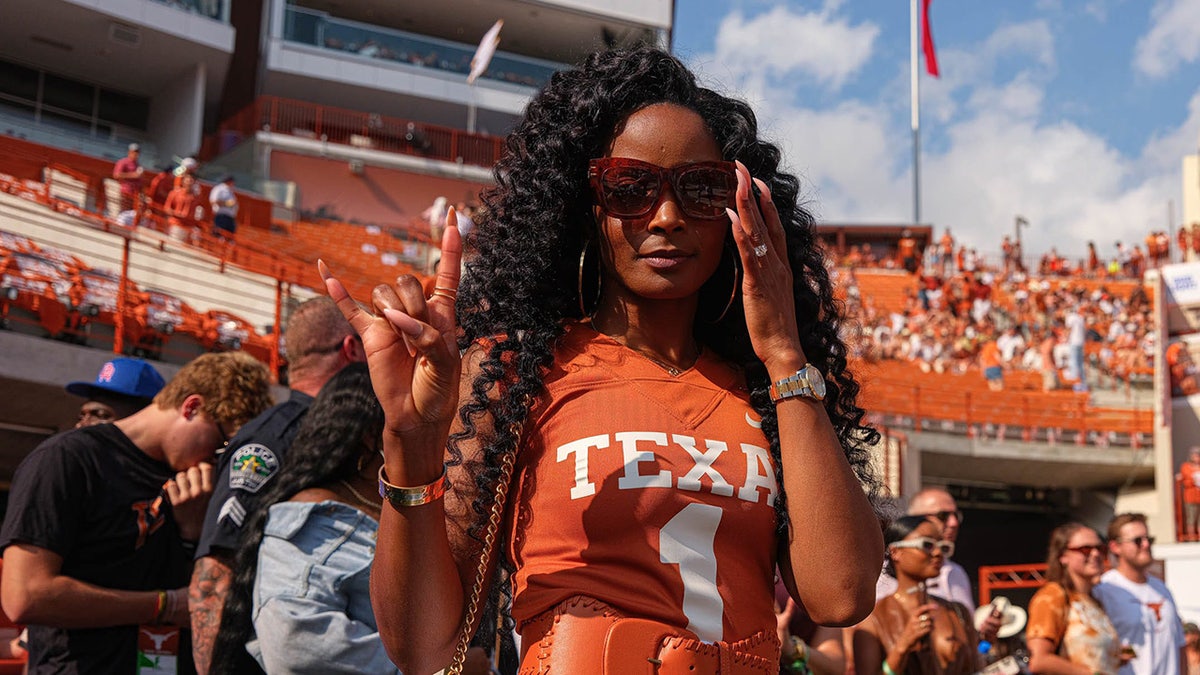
(206, 599)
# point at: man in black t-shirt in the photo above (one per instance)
(320, 342)
(95, 537)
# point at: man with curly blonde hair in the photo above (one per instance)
(101, 520)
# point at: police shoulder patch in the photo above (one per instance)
(251, 467)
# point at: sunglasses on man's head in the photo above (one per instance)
(928, 545)
(630, 188)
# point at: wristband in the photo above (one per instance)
(800, 663)
(887, 668)
(401, 497)
(160, 607)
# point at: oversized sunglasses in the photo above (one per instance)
(928, 545)
(630, 188)
(1087, 549)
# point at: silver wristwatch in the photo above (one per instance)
(807, 382)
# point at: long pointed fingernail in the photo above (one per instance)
(766, 191)
(406, 324)
(733, 217)
(323, 270)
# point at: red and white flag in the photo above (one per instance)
(483, 55)
(931, 65)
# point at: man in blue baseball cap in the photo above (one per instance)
(122, 387)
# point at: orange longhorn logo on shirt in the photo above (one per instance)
(1157, 607)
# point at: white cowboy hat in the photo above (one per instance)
(1012, 617)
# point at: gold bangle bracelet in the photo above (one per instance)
(400, 497)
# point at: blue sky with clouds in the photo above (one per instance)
(1073, 113)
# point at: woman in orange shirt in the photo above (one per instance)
(637, 433)
(1068, 632)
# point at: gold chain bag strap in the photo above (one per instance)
(493, 527)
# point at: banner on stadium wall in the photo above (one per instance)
(1182, 282)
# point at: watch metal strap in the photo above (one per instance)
(790, 387)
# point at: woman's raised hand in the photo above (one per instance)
(767, 284)
(920, 623)
(411, 347)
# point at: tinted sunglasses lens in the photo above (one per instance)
(629, 191)
(945, 516)
(705, 192)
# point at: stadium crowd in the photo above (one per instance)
(965, 314)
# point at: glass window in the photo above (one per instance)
(18, 81)
(68, 95)
(124, 109)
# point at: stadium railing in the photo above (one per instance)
(363, 130)
(901, 396)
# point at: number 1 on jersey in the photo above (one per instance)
(687, 540)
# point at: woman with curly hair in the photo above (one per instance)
(652, 408)
(310, 611)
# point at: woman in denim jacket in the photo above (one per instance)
(310, 611)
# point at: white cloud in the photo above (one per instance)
(1030, 43)
(996, 151)
(781, 43)
(1173, 39)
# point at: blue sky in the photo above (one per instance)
(1073, 113)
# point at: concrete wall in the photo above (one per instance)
(655, 13)
(1191, 190)
(177, 114)
(1182, 574)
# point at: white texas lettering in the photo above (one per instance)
(758, 458)
(632, 480)
(759, 473)
(583, 486)
(704, 465)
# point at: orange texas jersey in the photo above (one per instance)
(652, 493)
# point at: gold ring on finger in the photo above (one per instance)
(441, 293)
(451, 291)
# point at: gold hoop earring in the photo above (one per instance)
(737, 284)
(583, 313)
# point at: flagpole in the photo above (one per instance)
(916, 114)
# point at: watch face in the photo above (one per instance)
(815, 380)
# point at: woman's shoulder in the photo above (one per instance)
(1052, 593)
(313, 512)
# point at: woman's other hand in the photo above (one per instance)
(410, 343)
(767, 295)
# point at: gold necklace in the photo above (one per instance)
(378, 506)
(670, 368)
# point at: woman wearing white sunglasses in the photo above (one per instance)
(909, 631)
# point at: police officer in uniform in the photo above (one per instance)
(320, 343)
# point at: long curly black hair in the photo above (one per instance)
(335, 434)
(520, 289)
